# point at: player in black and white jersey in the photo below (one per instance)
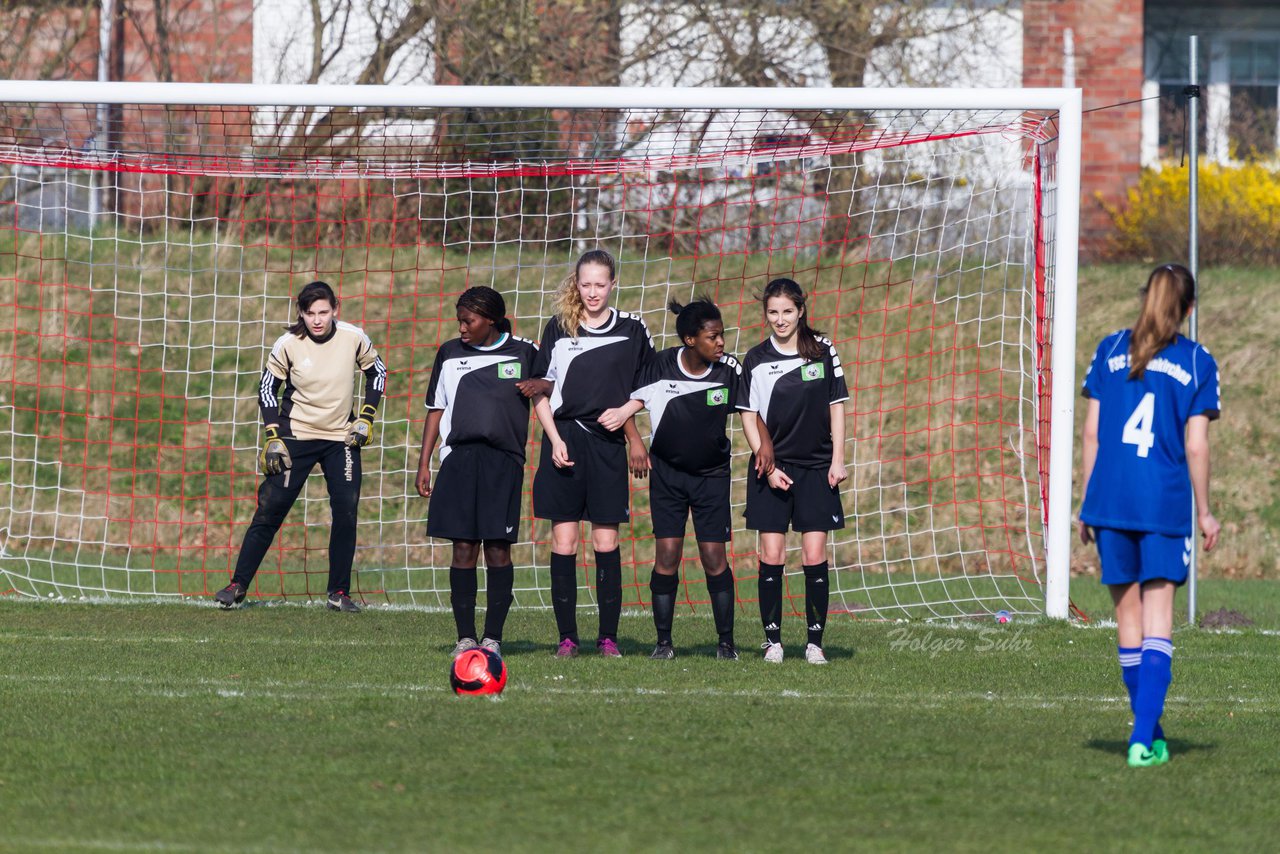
(587, 365)
(796, 387)
(690, 391)
(309, 422)
(481, 419)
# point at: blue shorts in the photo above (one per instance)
(1129, 556)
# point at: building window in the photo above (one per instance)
(1174, 118)
(1254, 69)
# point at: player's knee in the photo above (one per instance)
(773, 554)
(465, 554)
(712, 555)
(666, 558)
(814, 556)
(604, 539)
(564, 538)
(344, 510)
(497, 553)
(273, 505)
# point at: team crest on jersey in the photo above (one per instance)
(509, 371)
(812, 371)
(717, 396)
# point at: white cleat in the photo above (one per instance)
(813, 654)
(772, 652)
(462, 646)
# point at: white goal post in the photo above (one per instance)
(152, 236)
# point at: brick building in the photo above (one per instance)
(1131, 58)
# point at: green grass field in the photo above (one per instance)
(288, 728)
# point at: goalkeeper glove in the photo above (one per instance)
(274, 456)
(362, 427)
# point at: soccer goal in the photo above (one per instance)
(153, 237)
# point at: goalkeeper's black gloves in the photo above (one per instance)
(274, 457)
(362, 428)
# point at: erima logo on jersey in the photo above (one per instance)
(814, 371)
(717, 397)
(509, 371)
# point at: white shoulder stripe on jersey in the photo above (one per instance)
(1119, 336)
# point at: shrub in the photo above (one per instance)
(1239, 216)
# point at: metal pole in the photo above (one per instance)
(1193, 263)
(105, 16)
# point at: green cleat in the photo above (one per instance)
(1140, 757)
(1160, 748)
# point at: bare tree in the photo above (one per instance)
(48, 42)
(841, 43)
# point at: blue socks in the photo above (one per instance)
(1130, 661)
(1148, 681)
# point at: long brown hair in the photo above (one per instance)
(807, 343)
(1166, 299)
(569, 305)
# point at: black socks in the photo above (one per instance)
(720, 591)
(500, 580)
(462, 597)
(770, 589)
(609, 591)
(564, 594)
(817, 595)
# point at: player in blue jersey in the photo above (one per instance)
(588, 363)
(1152, 394)
(690, 390)
(796, 388)
(482, 422)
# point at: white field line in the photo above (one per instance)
(67, 843)
(186, 639)
(304, 691)
(271, 640)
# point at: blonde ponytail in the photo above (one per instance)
(1166, 299)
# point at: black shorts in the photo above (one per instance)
(811, 504)
(476, 495)
(595, 488)
(673, 493)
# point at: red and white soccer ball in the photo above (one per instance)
(478, 671)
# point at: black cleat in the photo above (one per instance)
(231, 595)
(340, 601)
(726, 651)
(664, 651)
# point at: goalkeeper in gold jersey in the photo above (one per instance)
(312, 421)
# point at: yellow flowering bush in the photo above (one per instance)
(1239, 216)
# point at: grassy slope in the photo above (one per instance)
(288, 728)
(1238, 319)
